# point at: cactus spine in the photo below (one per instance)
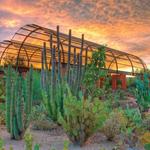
(18, 102)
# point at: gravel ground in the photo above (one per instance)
(55, 139)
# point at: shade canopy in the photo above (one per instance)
(25, 49)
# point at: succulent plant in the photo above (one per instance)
(18, 102)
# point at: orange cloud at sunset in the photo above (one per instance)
(11, 23)
(123, 25)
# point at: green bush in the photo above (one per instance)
(116, 123)
(40, 119)
(2, 114)
(1, 144)
(121, 94)
(146, 123)
(134, 117)
(2, 88)
(94, 72)
(28, 139)
(2, 105)
(131, 82)
(39, 113)
(143, 91)
(82, 117)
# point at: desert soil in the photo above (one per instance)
(50, 140)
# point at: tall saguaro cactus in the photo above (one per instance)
(18, 102)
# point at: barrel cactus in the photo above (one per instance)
(18, 102)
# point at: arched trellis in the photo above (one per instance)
(25, 38)
(9, 43)
(115, 59)
(4, 50)
(30, 39)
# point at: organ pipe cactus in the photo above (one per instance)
(52, 88)
(53, 79)
(18, 102)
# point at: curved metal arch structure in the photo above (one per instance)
(28, 41)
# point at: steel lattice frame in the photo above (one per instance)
(28, 41)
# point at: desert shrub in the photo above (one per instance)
(2, 89)
(120, 94)
(2, 114)
(2, 105)
(131, 86)
(143, 91)
(116, 123)
(112, 98)
(2, 118)
(146, 123)
(40, 119)
(28, 139)
(1, 144)
(145, 138)
(131, 82)
(134, 126)
(134, 118)
(82, 117)
(66, 145)
(94, 72)
(44, 125)
(39, 113)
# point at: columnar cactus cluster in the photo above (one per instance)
(53, 80)
(18, 102)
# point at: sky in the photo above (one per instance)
(120, 24)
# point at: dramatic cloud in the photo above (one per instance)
(121, 24)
